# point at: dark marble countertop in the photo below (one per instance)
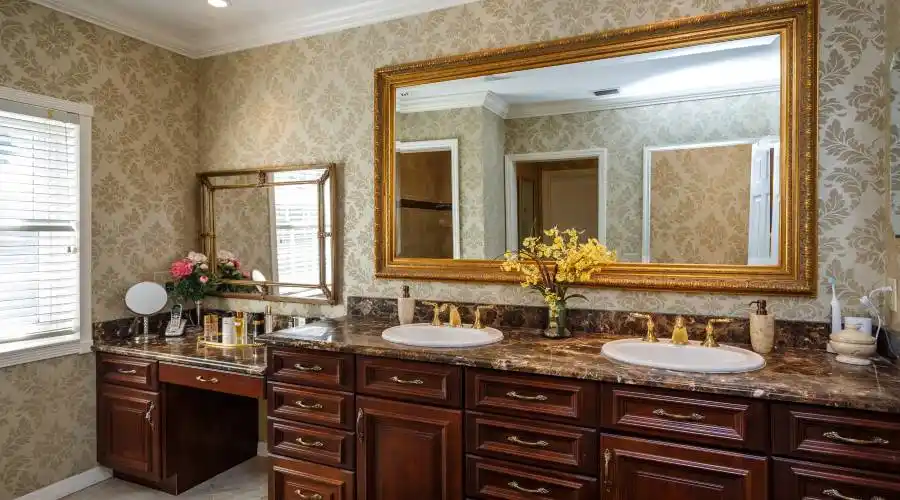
(794, 375)
(185, 351)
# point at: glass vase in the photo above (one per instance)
(558, 326)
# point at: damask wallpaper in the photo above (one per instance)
(144, 212)
(243, 225)
(304, 81)
(700, 205)
(625, 133)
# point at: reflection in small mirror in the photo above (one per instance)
(666, 157)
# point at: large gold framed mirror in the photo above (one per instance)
(270, 232)
(688, 147)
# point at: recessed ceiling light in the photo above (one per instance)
(219, 3)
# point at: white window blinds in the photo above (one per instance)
(39, 265)
(296, 210)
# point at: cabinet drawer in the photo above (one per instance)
(212, 380)
(535, 443)
(309, 442)
(565, 400)
(409, 380)
(490, 479)
(130, 372)
(842, 437)
(314, 406)
(697, 418)
(796, 480)
(296, 480)
(315, 368)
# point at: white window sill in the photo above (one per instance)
(29, 351)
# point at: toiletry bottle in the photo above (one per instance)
(406, 307)
(228, 336)
(239, 328)
(762, 328)
(836, 319)
(269, 320)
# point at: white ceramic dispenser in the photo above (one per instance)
(406, 307)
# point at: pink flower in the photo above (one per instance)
(237, 263)
(181, 268)
(246, 275)
(203, 279)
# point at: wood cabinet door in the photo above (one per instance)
(640, 469)
(408, 451)
(129, 434)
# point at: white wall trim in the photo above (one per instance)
(512, 201)
(451, 145)
(70, 485)
(487, 100)
(262, 449)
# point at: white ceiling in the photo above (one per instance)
(193, 28)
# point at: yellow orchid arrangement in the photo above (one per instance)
(552, 264)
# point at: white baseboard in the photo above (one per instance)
(70, 485)
(262, 450)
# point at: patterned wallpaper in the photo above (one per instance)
(144, 198)
(700, 205)
(321, 91)
(243, 225)
(625, 132)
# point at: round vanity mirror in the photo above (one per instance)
(146, 298)
(257, 275)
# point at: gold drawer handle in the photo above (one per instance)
(833, 493)
(534, 444)
(398, 380)
(693, 417)
(314, 496)
(539, 491)
(304, 368)
(314, 444)
(876, 441)
(308, 406)
(203, 380)
(516, 395)
(126, 372)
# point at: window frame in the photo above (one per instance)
(80, 342)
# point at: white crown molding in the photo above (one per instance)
(370, 12)
(517, 111)
(487, 100)
(70, 485)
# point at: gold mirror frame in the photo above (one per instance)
(208, 190)
(795, 21)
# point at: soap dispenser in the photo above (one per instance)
(406, 307)
(762, 328)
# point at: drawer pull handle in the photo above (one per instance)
(534, 444)
(516, 395)
(833, 493)
(204, 380)
(314, 496)
(539, 491)
(314, 444)
(876, 441)
(304, 368)
(693, 417)
(149, 415)
(397, 380)
(308, 406)
(359, 425)
(126, 372)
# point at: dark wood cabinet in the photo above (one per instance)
(641, 469)
(408, 451)
(129, 431)
(296, 480)
(796, 480)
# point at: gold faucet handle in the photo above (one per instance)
(478, 324)
(651, 326)
(438, 309)
(711, 331)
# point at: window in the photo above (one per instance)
(44, 227)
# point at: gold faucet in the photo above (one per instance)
(651, 326)
(680, 333)
(438, 309)
(710, 332)
(455, 319)
(478, 324)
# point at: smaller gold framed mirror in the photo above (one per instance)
(271, 232)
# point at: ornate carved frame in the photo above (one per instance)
(795, 21)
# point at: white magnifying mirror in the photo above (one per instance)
(257, 275)
(146, 298)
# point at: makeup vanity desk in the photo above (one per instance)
(171, 415)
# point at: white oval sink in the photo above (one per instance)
(684, 358)
(426, 335)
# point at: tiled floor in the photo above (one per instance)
(244, 482)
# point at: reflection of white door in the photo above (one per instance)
(765, 202)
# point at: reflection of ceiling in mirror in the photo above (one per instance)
(710, 70)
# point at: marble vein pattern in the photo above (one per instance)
(793, 375)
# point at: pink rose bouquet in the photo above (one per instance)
(228, 267)
(191, 278)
